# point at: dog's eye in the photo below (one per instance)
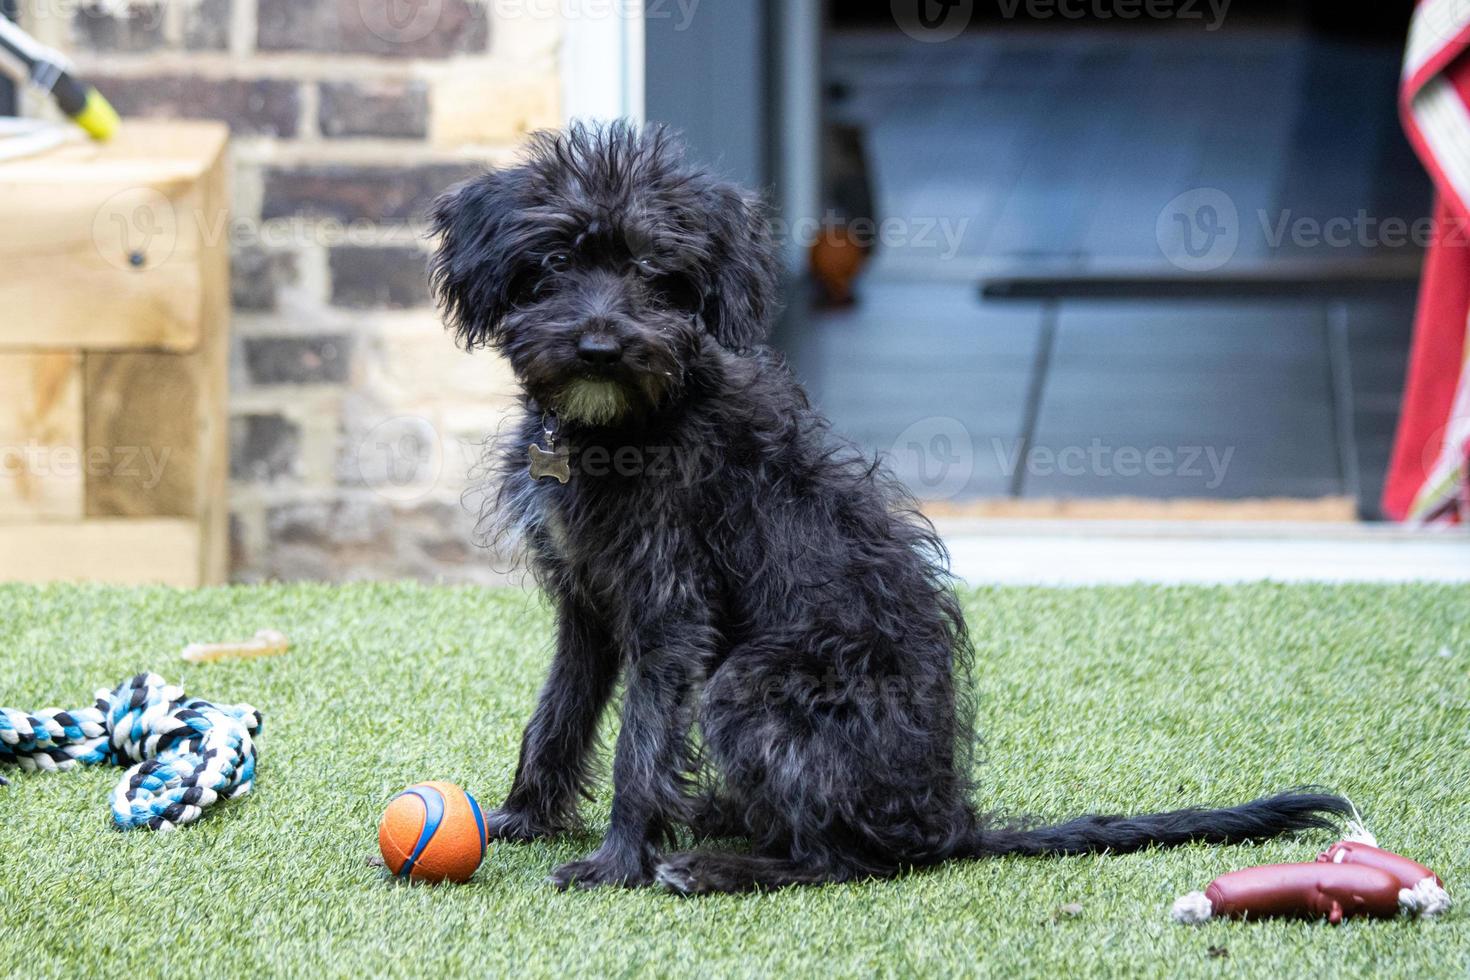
(556, 262)
(523, 288)
(646, 267)
(679, 292)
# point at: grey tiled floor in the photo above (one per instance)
(891, 371)
(1112, 398)
(1182, 379)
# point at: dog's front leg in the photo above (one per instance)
(648, 766)
(553, 766)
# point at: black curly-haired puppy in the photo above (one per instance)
(707, 541)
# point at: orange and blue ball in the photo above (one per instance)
(433, 832)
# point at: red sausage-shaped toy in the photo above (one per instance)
(1302, 891)
(1409, 873)
(1420, 890)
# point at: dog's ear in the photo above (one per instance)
(742, 297)
(473, 266)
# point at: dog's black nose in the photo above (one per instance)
(599, 348)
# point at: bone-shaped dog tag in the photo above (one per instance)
(554, 463)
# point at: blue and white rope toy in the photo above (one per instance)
(185, 754)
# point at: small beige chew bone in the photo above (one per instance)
(267, 643)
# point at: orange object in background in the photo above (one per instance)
(433, 832)
(837, 257)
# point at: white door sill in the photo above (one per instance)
(1078, 553)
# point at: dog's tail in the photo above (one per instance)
(1271, 816)
(707, 872)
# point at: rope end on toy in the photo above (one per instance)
(1192, 909)
(1425, 900)
(1357, 829)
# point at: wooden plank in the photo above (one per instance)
(143, 417)
(41, 463)
(180, 149)
(101, 244)
(214, 393)
(116, 257)
(118, 552)
(69, 254)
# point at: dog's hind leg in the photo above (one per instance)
(720, 873)
(716, 814)
(840, 779)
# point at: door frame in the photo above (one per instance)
(603, 63)
(604, 71)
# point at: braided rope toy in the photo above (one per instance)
(185, 754)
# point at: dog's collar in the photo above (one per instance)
(553, 462)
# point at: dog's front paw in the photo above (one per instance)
(620, 869)
(518, 826)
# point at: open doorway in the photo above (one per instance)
(1120, 266)
(1107, 248)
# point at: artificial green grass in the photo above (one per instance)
(1115, 699)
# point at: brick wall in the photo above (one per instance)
(355, 419)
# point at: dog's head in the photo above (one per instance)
(600, 266)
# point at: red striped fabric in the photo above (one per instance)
(1427, 476)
